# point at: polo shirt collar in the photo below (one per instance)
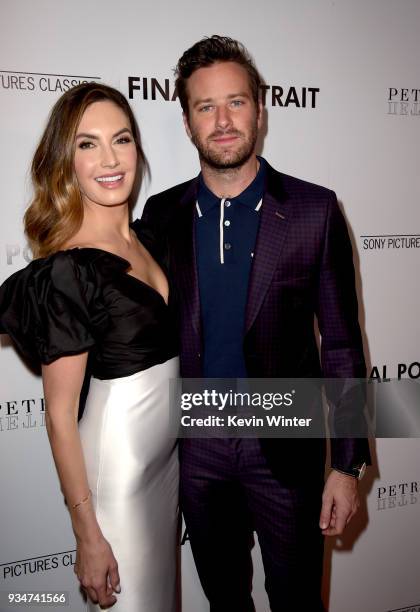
(249, 197)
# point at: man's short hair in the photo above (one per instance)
(212, 50)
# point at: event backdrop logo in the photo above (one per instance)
(155, 88)
(15, 253)
(387, 372)
(22, 414)
(397, 495)
(403, 101)
(390, 242)
(41, 81)
(36, 565)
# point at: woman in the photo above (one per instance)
(95, 300)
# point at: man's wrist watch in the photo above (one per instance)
(357, 471)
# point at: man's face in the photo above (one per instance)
(223, 120)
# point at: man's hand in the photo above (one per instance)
(340, 502)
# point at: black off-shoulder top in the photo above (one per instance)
(81, 300)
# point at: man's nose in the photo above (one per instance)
(223, 117)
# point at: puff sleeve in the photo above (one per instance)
(53, 307)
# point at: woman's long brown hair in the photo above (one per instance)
(56, 211)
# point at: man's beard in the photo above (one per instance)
(226, 160)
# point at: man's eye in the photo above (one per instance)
(205, 109)
(86, 144)
(237, 102)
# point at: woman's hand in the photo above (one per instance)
(97, 571)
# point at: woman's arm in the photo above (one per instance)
(96, 566)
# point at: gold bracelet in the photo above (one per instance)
(83, 501)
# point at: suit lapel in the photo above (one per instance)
(184, 256)
(276, 214)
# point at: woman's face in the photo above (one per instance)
(105, 159)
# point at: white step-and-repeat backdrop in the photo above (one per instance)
(343, 110)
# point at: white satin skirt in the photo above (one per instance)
(132, 465)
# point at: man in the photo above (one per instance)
(254, 256)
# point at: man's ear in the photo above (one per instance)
(186, 124)
(260, 109)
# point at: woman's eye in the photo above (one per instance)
(86, 144)
(123, 140)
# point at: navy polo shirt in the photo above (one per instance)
(226, 232)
